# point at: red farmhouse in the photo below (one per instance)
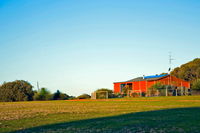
(141, 84)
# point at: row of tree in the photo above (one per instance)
(45, 94)
(21, 90)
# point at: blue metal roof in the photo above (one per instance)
(155, 76)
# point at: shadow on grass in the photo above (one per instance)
(170, 120)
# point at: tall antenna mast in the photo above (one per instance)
(38, 85)
(170, 61)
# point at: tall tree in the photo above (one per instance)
(60, 96)
(18, 90)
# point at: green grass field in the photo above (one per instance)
(155, 114)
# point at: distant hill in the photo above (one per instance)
(189, 71)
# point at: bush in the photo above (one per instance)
(117, 95)
(196, 85)
(84, 96)
(42, 94)
(143, 94)
(18, 90)
(71, 98)
(162, 92)
(135, 94)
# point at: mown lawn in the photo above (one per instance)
(155, 114)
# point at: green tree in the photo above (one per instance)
(60, 96)
(156, 87)
(189, 71)
(56, 95)
(196, 85)
(43, 94)
(18, 90)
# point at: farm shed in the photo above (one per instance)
(141, 84)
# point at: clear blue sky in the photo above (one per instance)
(78, 46)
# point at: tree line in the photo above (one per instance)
(21, 90)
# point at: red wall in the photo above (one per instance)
(139, 86)
(142, 86)
(117, 87)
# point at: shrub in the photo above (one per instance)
(135, 94)
(117, 95)
(71, 97)
(143, 94)
(84, 96)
